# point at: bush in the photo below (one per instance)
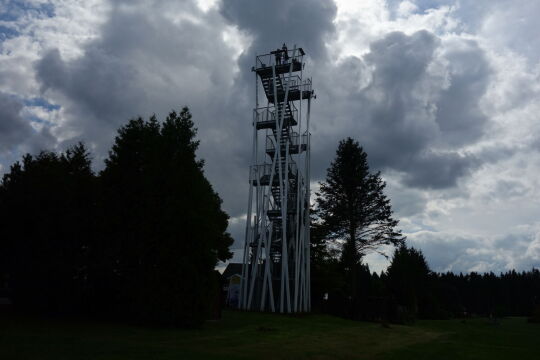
(535, 318)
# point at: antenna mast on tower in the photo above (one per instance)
(276, 263)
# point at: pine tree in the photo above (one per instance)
(353, 209)
(352, 206)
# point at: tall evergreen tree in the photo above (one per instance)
(352, 207)
(164, 221)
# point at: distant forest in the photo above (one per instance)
(139, 241)
(409, 290)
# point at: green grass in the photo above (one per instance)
(265, 336)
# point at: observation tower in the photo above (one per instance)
(276, 266)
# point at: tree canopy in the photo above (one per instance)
(139, 240)
(353, 211)
(165, 219)
(408, 276)
(352, 206)
(47, 211)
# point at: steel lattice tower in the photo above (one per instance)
(276, 266)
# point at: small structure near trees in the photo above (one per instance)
(232, 278)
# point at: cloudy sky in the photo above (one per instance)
(443, 95)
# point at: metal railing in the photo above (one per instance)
(271, 59)
(258, 171)
(270, 113)
(276, 205)
(302, 85)
(295, 83)
(294, 140)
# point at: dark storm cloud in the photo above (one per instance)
(458, 111)
(438, 171)
(13, 128)
(398, 119)
(410, 116)
(17, 136)
(100, 84)
(304, 22)
(406, 201)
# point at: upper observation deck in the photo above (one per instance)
(282, 59)
(278, 71)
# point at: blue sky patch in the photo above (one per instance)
(7, 33)
(41, 102)
(15, 9)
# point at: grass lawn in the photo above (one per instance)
(266, 336)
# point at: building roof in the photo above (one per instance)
(232, 269)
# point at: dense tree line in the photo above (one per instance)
(139, 240)
(409, 290)
(353, 216)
